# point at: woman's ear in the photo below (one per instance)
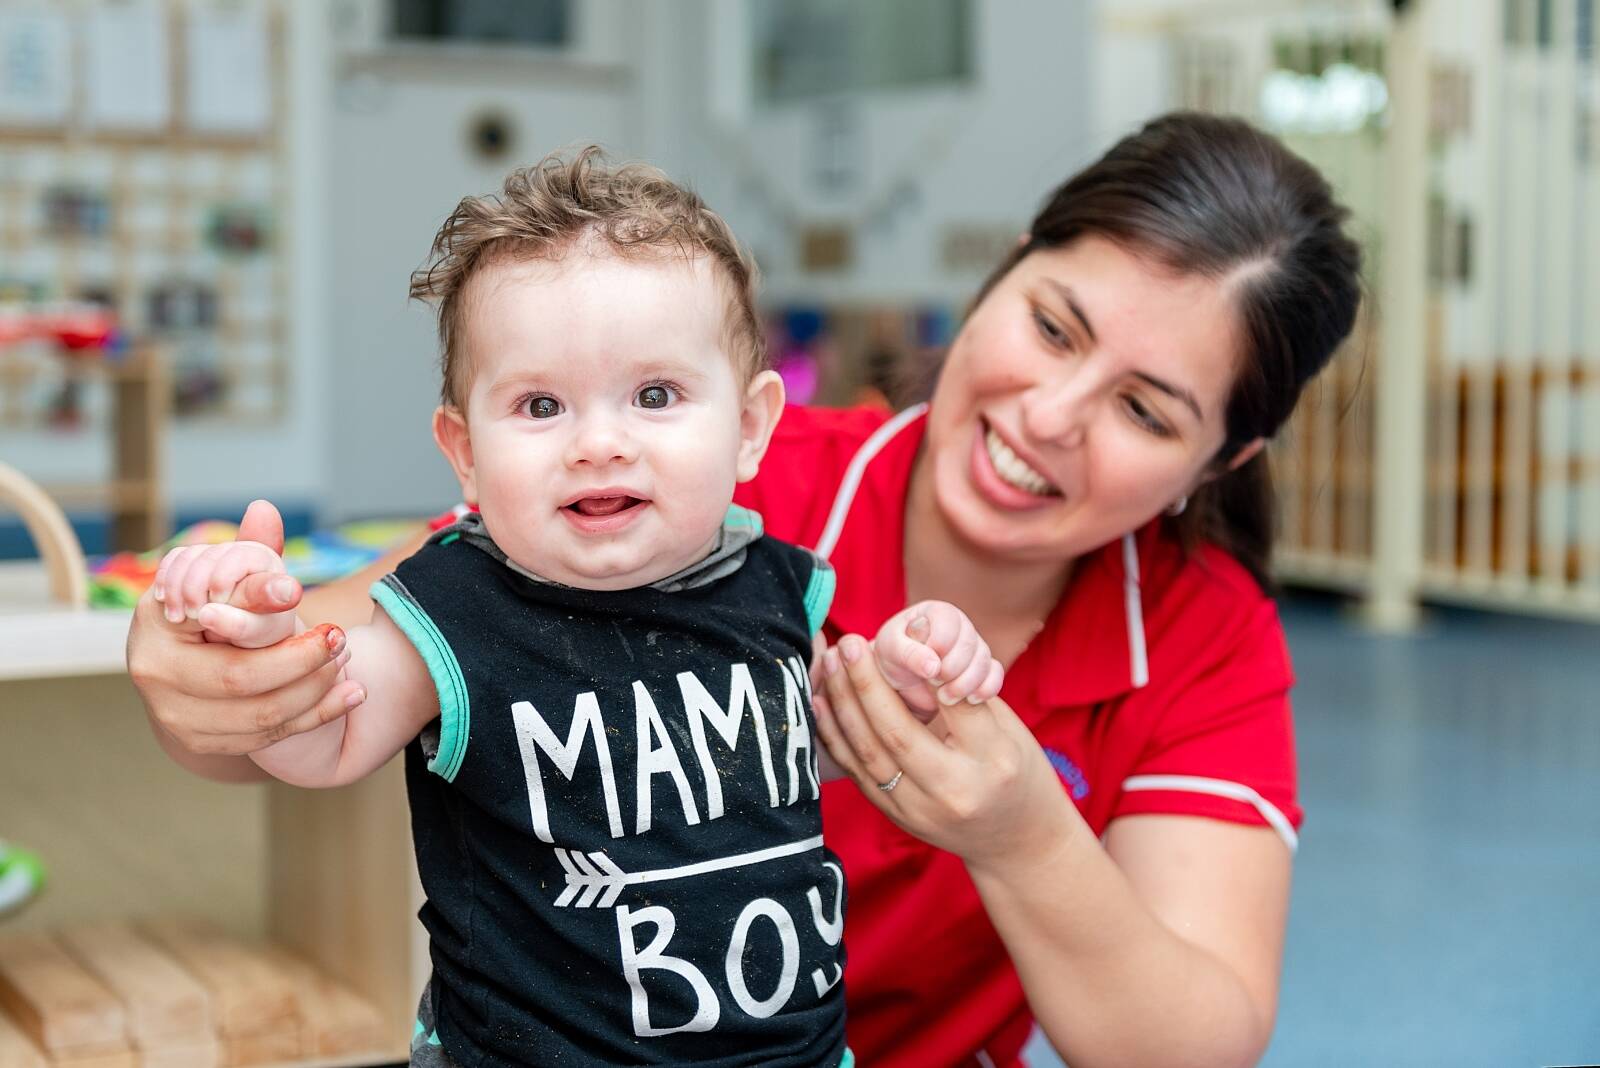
(450, 433)
(1246, 454)
(763, 406)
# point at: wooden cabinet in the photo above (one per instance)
(127, 835)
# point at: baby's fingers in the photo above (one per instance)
(170, 578)
(967, 669)
(234, 563)
(903, 659)
(992, 685)
(247, 630)
(266, 592)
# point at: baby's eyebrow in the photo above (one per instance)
(685, 368)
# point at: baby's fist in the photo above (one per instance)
(933, 655)
(196, 582)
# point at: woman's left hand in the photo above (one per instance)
(974, 781)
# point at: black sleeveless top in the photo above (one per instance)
(617, 817)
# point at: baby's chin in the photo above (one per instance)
(604, 575)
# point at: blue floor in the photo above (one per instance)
(1446, 904)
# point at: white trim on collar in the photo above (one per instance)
(1138, 658)
(1233, 791)
(1133, 610)
(852, 477)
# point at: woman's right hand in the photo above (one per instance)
(211, 699)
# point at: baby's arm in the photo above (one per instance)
(401, 700)
(933, 655)
(195, 584)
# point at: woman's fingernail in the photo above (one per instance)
(159, 593)
(830, 661)
(335, 640)
(974, 699)
(947, 698)
(851, 648)
(342, 659)
(174, 613)
(280, 590)
(355, 697)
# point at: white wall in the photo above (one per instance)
(978, 155)
(399, 160)
(642, 83)
(211, 462)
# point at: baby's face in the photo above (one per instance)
(606, 425)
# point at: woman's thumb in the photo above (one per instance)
(262, 523)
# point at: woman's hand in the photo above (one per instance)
(973, 782)
(212, 699)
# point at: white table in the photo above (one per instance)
(39, 640)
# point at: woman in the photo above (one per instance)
(1109, 844)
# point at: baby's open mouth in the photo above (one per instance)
(598, 506)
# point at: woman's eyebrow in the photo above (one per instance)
(1176, 392)
(1065, 292)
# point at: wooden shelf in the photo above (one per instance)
(179, 992)
(140, 397)
(124, 833)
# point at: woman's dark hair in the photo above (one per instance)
(1216, 197)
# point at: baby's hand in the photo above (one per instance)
(195, 583)
(934, 645)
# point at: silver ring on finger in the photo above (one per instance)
(892, 783)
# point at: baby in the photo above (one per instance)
(601, 678)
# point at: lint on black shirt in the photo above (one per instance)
(617, 817)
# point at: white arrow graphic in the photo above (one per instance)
(594, 879)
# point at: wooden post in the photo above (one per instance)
(1400, 434)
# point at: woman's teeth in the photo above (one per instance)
(1013, 470)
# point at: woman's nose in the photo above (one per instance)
(1057, 412)
(601, 438)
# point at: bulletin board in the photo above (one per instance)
(144, 168)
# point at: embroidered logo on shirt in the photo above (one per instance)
(1077, 785)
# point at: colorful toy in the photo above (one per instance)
(119, 580)
(21, 877)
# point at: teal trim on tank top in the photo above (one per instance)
(455, 709)
(740, 518)
(819, 595)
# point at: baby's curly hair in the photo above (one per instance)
(545, 209)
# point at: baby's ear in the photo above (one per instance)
(450, 433)
(763, 407)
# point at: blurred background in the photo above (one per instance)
(209, 210)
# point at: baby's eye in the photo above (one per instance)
(654, 397)
(543, 407)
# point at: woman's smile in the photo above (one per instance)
(1004, 479)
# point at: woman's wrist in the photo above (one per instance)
(1041, 843)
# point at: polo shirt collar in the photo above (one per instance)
(1092, 647)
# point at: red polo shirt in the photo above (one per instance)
(1159, 684)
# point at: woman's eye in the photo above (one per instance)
(1051, 332)
(655, 397)
(1145, 418)
(542, 407)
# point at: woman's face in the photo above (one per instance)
(1085, 394)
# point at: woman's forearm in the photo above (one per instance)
(1109, 983)
(218, 767)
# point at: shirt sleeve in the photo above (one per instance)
(820, 588)
(1224, 747)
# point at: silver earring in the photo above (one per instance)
(1176, 507)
